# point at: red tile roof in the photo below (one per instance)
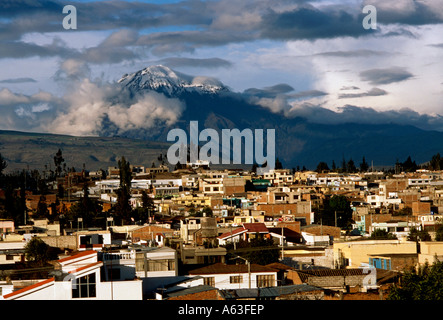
(247, 227)
(256, 227)
(85, 267)
(234, 232)
(78, 255)
(32, 286)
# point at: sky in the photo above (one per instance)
(301, 58)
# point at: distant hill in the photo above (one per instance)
(299, 142)
(23, 149)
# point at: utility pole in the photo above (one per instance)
(335, 214)
(282, 244)
(249, 269)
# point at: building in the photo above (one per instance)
(241, 276)
(79, 278)
(354, 254)
(245, 232)
(6, 226)
(347, 280)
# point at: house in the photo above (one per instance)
(152, 234)
(11, 252)
(95, 240)
(399, 228)
(6, 226)
(393, 261)
(223, 276)
(289, 292)
(355, 279)
(198, 229)
(247, 231)
(78, 277)
(139, 262)
(355, 253)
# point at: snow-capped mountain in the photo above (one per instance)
(298, 141)
(163, 79)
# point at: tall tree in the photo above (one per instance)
(322, 166)
(58, 162)
(278, 164)
(38, 253)
(435, 163)
(422, 283)
(3, 164)
(363, 165)
(123, 207)
(350, 166)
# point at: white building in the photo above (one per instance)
(241, 276)
(79, 278)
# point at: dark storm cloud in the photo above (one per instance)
(187, 25)
(18, 80)
(308, 22)
(194, 62)
(353, 53)
(385, 76)
(374, 92)
(365, 115)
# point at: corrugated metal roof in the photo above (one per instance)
(268, 292)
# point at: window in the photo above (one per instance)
(84, 287)
(265, 280)
(235, 279)
(209, 281)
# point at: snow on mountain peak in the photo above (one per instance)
(162, 78)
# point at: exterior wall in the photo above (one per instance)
(429, 250)
(6, 226)
(419, 208)
(323, 258)
(339, 281)
(357, 252)
(63, 242)
(280, 208)
(222, 281)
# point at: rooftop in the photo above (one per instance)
(221, 268)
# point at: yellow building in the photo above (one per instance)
(352, 254)
(429, 250)
(196, 200)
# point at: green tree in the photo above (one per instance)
(258, 250)
(38, 253)
(363, 165)
(418, 235)
(380, 234)
(3, 164)
(86, 208)
(123, 207)
(350, 166)
(422, 283)
(42, 208)
(322, 166)
(435, 163)
(58, 162)
(336, 210)
(278, 164)
(439, 233)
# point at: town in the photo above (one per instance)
(193, 232)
